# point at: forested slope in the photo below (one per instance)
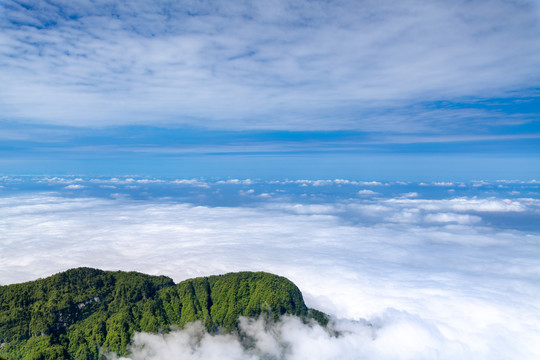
(84, 313)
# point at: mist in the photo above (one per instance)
(406, 271)
(393, 335)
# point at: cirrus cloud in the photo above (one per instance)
(368, 66)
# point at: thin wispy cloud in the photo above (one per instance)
(281, 65)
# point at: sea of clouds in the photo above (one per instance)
(406, 270)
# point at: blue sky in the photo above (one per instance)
(384, 90)
(383, 155)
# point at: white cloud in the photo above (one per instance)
(466, 204)
(449, 217)
(367, 192)
(328, 182)
(411, 194)
(370, 183)
(192, 182)
(393, 335)
(74, 187)
(431, 276)
(236, 181)
(518, 181)
(149, 181)
(438, 183)
(58, 180)
(284, 65)
(322, 182)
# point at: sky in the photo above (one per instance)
(383, 155)
(387, 90)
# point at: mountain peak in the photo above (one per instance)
(82, 313)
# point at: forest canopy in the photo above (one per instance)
(85, 313)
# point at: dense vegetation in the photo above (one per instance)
(85, 313)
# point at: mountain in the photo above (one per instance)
(84, 313)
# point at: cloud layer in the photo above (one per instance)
(291, 339)
(435, 277)
(366, 65)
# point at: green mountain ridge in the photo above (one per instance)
(85, 313)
